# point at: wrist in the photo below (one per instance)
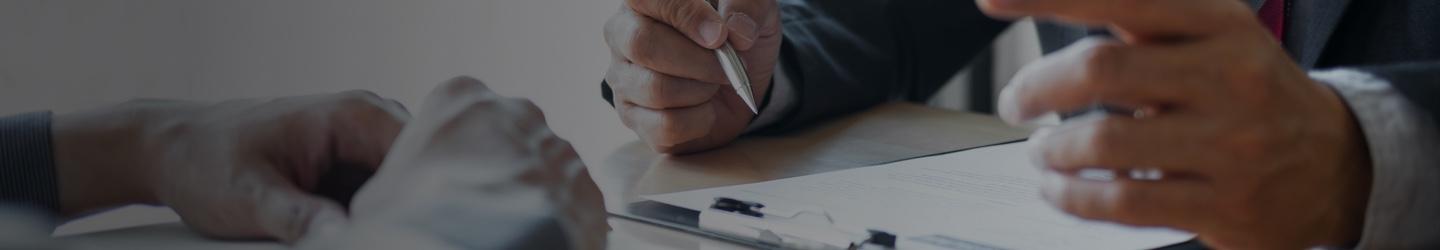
(103, 156)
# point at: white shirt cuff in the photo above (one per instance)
(1403, 206)
(782, 98)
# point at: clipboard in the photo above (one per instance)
(779, 216)
(761, 226)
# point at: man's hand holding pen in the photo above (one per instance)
(669, 86)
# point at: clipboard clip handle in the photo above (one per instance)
(748, 219)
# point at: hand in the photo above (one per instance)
(669, 86)
(1255, 154)
(475, 170)
(237, 170)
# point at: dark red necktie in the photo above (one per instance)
(1273, 14)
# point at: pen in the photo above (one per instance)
(735, 70)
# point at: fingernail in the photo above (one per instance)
(1095, 174)
(743, 27)
(710, 32)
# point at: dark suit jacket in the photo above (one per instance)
(849, 55)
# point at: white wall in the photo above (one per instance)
(71, 54)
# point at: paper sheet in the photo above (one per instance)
(986, 197)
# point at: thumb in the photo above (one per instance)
(290, 214)
(748, 20)
(696, 18)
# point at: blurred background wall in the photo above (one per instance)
(65, 55)
(71, 54)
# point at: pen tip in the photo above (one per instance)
(750, 103)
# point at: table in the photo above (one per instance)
(885, 133)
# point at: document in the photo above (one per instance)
(985, 198)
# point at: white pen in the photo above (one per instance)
(735, 70)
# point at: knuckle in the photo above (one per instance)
(360, 94)
(641, 44)
(1248, 72)
(1079, 206)
(1249, 80)
(525, 107)
(461, 84)
(680, 13)
(1103, 140)
(354, 99)
(1127, 201)
(668, 129)
(475, 107)
(1101, 61)
(359, 105)
(459, 93)
(656, 87)
(662, 92)
(565, 152)
(561, 143)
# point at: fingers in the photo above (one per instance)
(559, 163)
(665, 128)
(1100, 71)
(457, 89)
(1144, 18)
(1123, 143)
(585, 209)
(655, 90)
(287, 213)
(695, 18)
(560, 155)
(644, 41)
(748, 20)
(364, 128)
(1184, 205)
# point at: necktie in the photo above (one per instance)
(1273, 14)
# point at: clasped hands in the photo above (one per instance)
(472, 170)
(1256, 155)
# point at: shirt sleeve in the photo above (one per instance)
(781, 99)
(1404, 202)
(27, 164)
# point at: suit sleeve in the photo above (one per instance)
(845, 56)
(1397, 110)
(27, 166)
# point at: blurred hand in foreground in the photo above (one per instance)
(246, 169)
(1255, 154)
(474, 170)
